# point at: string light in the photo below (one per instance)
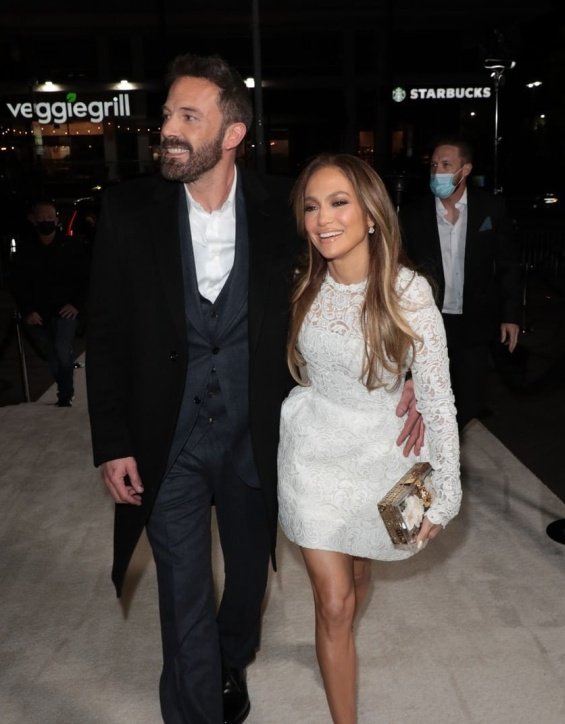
(98, 130)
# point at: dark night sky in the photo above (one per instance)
(297, 35)
(314, 50)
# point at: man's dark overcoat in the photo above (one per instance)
(136, 347)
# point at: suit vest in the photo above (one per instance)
(216, 389)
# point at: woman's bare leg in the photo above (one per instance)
(332, 578)
(361, 581)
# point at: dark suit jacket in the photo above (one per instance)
(137, 351)
(44, 278)
(491, 290)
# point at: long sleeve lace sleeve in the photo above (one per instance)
(435, 401)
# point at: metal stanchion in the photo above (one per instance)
(22, 356)
(524, 327)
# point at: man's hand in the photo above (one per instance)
(122, 480)
(33, 318)
(412, 434)
(509, 334)
(68, 312)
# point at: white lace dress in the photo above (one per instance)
(338, 454)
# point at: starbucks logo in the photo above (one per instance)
(398, 95)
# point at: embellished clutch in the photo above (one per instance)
(404, 506)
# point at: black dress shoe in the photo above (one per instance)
(236, 698)
(64, 402)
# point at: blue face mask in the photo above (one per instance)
(442, 185)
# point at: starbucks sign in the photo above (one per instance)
(441, 93)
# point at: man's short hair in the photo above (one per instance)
(462, 145)
(234, 100)
(41, 203)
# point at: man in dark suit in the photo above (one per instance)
(462, 238)
(48, 281)
(186, 373)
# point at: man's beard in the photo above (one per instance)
(200, 160)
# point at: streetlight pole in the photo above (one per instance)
(497, 76)
(260, 149)
(533, 86)
(497, 68)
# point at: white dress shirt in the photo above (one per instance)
(213, 242)
(452, 242)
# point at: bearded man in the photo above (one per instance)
(185, 375)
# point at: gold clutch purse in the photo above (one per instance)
(404, 506)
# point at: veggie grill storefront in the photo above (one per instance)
(64, 135)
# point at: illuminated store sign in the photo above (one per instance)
(72, 109)
(440, 94)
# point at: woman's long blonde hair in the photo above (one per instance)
(388, 337)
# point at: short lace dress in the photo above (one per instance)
(338, 454)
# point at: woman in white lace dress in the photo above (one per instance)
(361, 320)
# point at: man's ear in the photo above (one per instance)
(467, 168)
(234, 135)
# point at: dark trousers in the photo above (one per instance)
(197, 636)
(468, 367)
(56, 336)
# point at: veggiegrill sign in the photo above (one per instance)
(72, 109)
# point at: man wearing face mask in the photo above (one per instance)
(49, 286)
(462, 238)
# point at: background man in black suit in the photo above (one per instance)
(48, 280)
(462, 238)
(186, 372)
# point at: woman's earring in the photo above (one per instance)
(371, 229)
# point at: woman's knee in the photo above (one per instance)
(335, 608)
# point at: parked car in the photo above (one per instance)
(78, 217)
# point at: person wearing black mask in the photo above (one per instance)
(49, 287)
